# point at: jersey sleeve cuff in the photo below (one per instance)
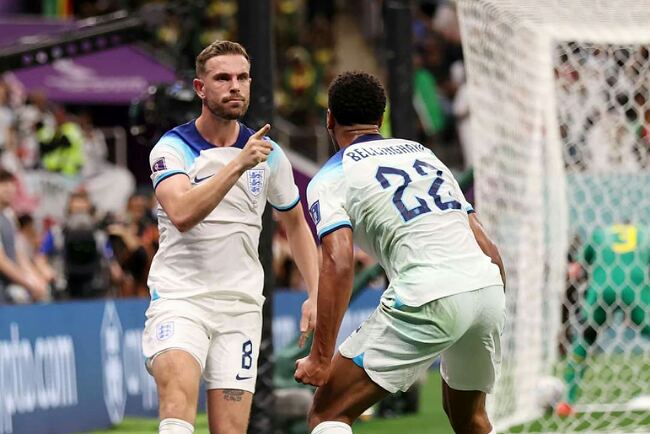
(168, 175)
(333, 227)
(287, 207)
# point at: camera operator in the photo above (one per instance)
(80, 251)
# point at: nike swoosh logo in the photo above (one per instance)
(242, 378)
(197, 179)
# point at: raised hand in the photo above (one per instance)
(256, 150)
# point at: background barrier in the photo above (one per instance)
(76, 366)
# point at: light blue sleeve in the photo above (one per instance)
(283, 193)
(168, 158)
(326, 195)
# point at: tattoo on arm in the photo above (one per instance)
(233, 394)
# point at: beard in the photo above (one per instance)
(220, 110)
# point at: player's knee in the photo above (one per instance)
(176, 403)
(316, 417)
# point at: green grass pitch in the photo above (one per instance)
(431, 419)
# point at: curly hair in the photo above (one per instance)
(356, 97)
(218, 48)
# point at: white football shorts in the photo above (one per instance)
(397, 344)
(223, 335)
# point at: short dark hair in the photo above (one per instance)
(356, 97)
(6, 176)
(218, 48)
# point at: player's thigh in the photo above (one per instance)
(229, 410)
(175, 344)
(231, 367)
(397, 344)
(177, 375)
(473, 362)
(174, 325)
(234, 349)
(348, 393)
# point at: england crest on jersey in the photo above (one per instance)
(165, 330)
(255, 181)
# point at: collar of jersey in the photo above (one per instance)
(196, 141)
(367, 138)
(337, 158)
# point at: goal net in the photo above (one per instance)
(560, 101)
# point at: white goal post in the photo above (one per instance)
(559, 98)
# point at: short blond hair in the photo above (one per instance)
(218, 48)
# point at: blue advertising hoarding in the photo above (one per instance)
(78, 366)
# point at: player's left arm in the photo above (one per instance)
(334, 291)
(487, 245)
(303, 250)
(283, 196)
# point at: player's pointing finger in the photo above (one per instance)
(262, 131)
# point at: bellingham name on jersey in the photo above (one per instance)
(406, 209)
(359, 152)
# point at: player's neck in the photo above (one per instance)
(220, 132)
(346, 135)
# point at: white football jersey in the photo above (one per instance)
(407, 210)
(218, 255)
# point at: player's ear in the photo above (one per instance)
(330, 120)
(198, 87)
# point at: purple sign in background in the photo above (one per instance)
(9, 6)
(16, 27)
(114, 76)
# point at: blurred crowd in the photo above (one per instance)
(89, 248)
(84, 249)
(304, 47)
(440, 96)
(56, 241)
(304, 43)
(605, 115)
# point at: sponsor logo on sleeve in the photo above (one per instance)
(314, 211)
(159, 165)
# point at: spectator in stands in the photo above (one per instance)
(94, 145)
(220, 22)
(79, 252)
(134, 240)
(28, 241)
(427, 99)
(461, 114)
(17, 285)
(61, 147)
(108, 184)
(300, 86)
(33, 116)
(140, 213)
(9, 158)
(7, 116)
